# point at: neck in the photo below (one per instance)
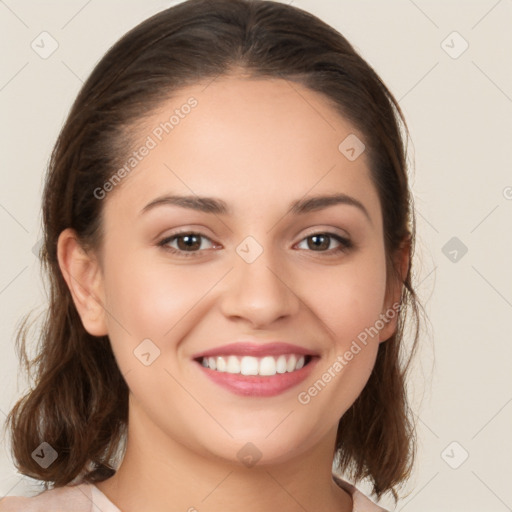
(160, 474)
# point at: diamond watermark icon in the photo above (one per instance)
(36, 248)
(44, 45)
(351, 147)
(44, 455)
(249, 455)
(454, 455)
(454, 45)
(454, 249)
(249, 249)
(146, 352)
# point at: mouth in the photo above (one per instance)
(249, 365)
(257, 370)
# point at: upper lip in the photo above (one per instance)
(255, 350)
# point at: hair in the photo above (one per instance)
(79, 401)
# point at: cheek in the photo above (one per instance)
(350, 299)
(152, 301)
(349, 303)
(151, 298)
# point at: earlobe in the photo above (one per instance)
(392, 302)
(82, 274)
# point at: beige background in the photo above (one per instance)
(459, 112)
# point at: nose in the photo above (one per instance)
(259, 292)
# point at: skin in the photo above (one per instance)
(258, 145)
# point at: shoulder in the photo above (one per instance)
(76, 498)
(361, 502)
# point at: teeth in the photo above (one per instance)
(267, 366)
(220, 362)
(233, 365)
(281, 364)
(249, 365)
(291, 364)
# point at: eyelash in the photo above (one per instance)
(345, 243)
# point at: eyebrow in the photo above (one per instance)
(220, 207)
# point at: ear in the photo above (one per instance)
(82, 274)
(394, 287)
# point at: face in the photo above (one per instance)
(244, 319)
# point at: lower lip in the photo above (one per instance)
(255, 385)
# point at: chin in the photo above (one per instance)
(259, 448)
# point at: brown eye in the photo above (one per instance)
(187, 244)
(320, 242)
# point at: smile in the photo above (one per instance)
(256, 369)
(262, 366)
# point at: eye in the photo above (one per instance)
(188, 243)
(317, 242)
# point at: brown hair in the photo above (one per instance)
(79, 404)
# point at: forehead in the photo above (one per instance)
(254, 142)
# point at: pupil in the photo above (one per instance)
(191, 241)
(324, 245)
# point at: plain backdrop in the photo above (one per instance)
(448, 64)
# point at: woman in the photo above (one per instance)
(228, 238)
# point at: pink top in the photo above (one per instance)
(87, 497)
